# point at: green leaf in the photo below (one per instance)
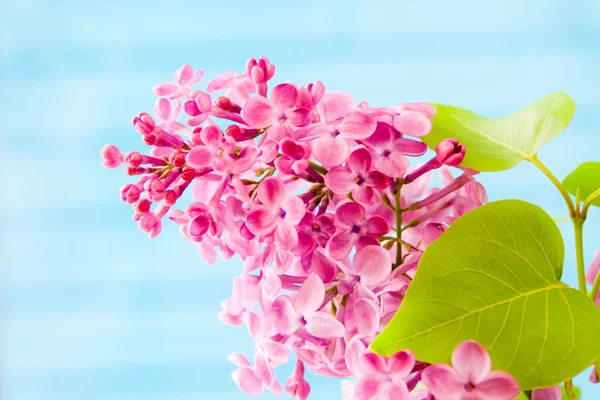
(586, 178)
(499, 144)
(494, 277)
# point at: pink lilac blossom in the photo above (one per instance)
(470, 377)
(317, 197)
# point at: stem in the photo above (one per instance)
(588, 202)
(569, 389)
(577, 216)
(535, 161)
(318, 168)
(595, 288)
(578, 225)
(527, 394)
(398, 223)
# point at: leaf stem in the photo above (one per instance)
(577, 216)
(578, 225)
(535, 161)
(588, 202)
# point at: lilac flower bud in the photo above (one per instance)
(450, 152)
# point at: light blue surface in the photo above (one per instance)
(91, 309)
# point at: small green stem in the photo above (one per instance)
(578, 225)
(527, 394)
(577, 216)
(595, 288)
(588, 202)
(318, 168)
(569, 389)
(398, 222)
(535, 161)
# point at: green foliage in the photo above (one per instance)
(586, 178)
(494, 277)
(499, 144)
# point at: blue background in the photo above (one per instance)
(91, 309)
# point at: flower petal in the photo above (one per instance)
(271, 192)
(277, 352)
(247, 381)
(199, 157)
(372, 264)
(298, 117)
(258, 112)
(286, 236)
(366, 316)
(323, 325)
(340, 180)
(471, 361)
(340, 245)
(165, 89)
(376, 225)
(222, 81)
(330, 151)
(443, 382)
(162, 108)
(334, 105)
(284, 96)
(593, 269)
(184, 74)
(551, 393)
(401, 363)
(261, 220)
(395, 390)
(310, 295)
(409, 147)
(349, 213)
(498, 385)
(412, 123)
(368, 387)
(383, 136)
(283, 315)
(357, 126)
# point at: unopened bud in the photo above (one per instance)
(450, 152)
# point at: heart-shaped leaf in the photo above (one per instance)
(494, 277)
(499, 144)
(586, 178)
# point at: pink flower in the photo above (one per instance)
(353, 228)
(470, 377)
(450, 152)
(167, 116)
(332, 141)
(260, 72)
(383, 378)
(251, 379)
(296, 385)
(295, 156)
(198, 107)
(313, 231)
(279, 213)
(356, 178)
(279, 114)
(111, 156)
(389, 150)
(305, 312)
(185, 78)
